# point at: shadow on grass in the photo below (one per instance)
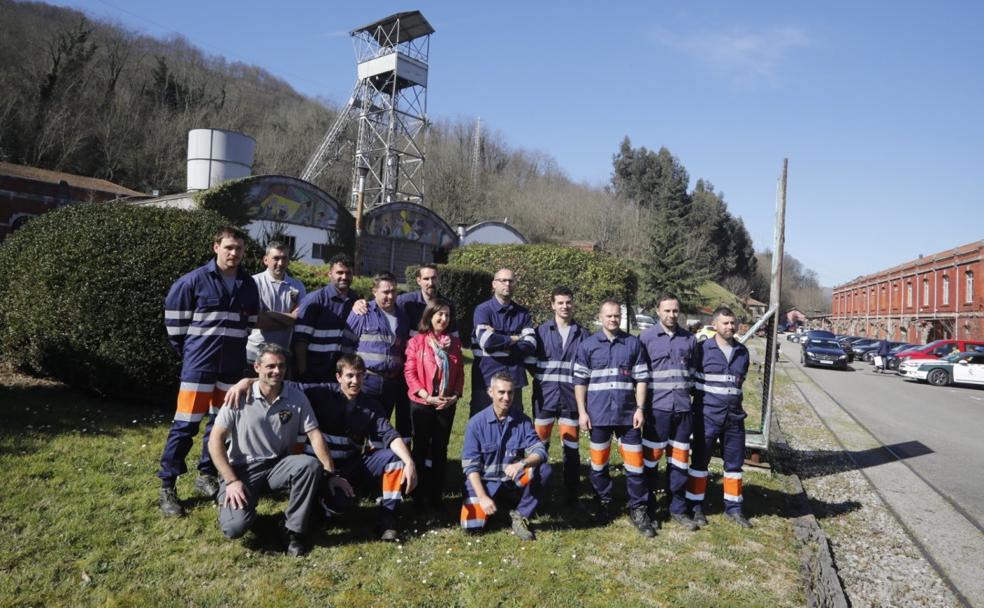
(49, 409)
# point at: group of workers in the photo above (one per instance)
(322, 429)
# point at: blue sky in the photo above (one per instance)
(878, 106)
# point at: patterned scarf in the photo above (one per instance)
(440, 345)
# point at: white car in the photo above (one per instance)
(955, 368)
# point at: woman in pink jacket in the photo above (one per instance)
(435, 378)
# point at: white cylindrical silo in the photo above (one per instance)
(216, 156)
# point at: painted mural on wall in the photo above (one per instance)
(410, 222)
(288, 200)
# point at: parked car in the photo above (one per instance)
(823, 352)
(816, 333)
(865, 349)
(704, 333)
(871, 353)
(893, 360)
(955, 368)
(793, 337)
(644, 321)
(940, 349)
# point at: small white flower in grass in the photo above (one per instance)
(399, 561)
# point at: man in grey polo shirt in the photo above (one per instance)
(280, 294)
(262, 434)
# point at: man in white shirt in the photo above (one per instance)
(280, 294)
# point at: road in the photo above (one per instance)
(930, 470)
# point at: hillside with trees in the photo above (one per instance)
(96, 99)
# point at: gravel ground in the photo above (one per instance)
(876, 559)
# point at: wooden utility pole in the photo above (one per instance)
(775, 290)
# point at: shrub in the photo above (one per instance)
(84, 288)
(316, 276)
(592, 276)
(465, 287)
(227, 198)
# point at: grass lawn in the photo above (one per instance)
(80, 526)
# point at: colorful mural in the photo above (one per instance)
(282, 199)
(410, 222)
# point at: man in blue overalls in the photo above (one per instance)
(610, 376)
(380, 337)
(321, 334)
(557, 342)
(503, 337)
(670, 421)
(208, 314)
(502, 460)
(720, 369)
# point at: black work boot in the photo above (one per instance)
(296, 547)
(207, 486)
(387, 528)
(684, 520)
(602, 512)
(739, 518)
(169, 504)
(700, 520)
(640, 519)
(520, 526)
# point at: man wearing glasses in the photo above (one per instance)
(503, 337)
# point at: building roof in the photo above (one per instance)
(57, 177)
(754, 302)
(413, 25)
(921, 260)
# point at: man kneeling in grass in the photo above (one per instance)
(262, 434)
(502, 458)
(365, 449)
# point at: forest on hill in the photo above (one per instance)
(95, 99)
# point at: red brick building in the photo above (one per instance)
(27, 192)
(933, 297)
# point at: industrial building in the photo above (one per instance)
(933, 297)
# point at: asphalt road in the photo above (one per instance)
(922, 449)
(913, 417)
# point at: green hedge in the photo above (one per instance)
(465, 287)
(316, 276)
(227, 199)
(82, 296)
(592, 276)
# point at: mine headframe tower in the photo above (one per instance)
(389, 102)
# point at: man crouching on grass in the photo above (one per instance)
(502, 458)
(262, 434)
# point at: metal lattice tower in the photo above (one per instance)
(389, 102)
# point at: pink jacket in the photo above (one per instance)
(420, 368)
